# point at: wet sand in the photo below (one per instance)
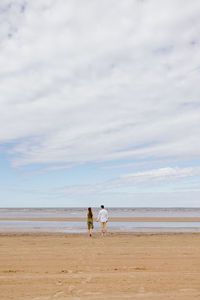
(118, 266)
(114, 219)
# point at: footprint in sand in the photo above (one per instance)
(10, 271)
(58, 294)
(59, 282)
(141, 290)
(43, 298)
(93, 293)
(66, 271)
(86, 280)
(140, 268)
(193, 291)
(71, 288)
(89, 278)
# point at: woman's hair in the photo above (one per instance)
(90, 212)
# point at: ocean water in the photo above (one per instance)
(113, 212)
(81, 227)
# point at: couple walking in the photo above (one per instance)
(102, 217)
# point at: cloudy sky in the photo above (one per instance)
(99, 103)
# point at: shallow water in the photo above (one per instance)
(75, 227)
(81, 227)
(113, 212)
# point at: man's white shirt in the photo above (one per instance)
(103, 215)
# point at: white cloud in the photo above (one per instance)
(140, 183)
(98, 81)
(157, 175)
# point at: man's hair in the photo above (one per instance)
(102, 206)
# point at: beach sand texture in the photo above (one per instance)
(118, 266)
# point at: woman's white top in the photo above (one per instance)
(103, 215)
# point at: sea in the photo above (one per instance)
(81, 227)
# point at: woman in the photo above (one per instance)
(90, 221)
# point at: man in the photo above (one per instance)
(103, 218)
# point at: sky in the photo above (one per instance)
(99, 103)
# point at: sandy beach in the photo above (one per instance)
(118, 266)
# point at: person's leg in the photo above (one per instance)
(90, 229)
(105, 227)
(102, 228)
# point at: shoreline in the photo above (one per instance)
(94, 235)
(114, 219)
